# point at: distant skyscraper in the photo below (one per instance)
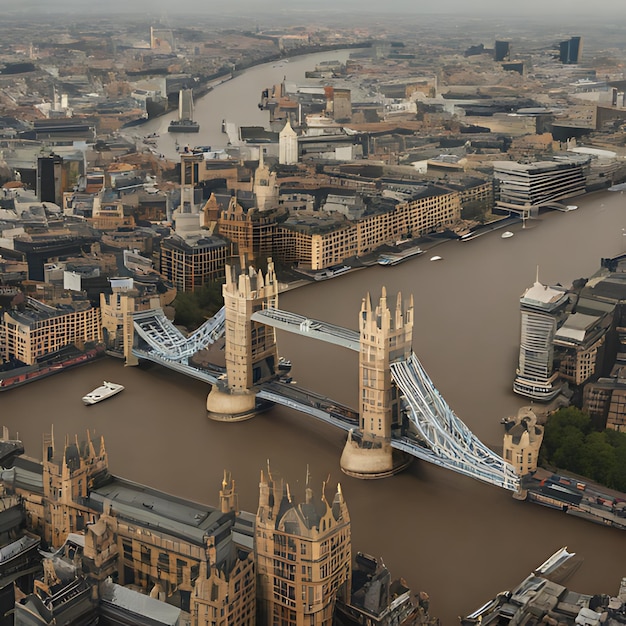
(571, 50)
(288, 145)
(50, 179)
(502, 51)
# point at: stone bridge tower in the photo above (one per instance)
(385, 338)
(251, 356)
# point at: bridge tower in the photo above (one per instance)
(250, 350)
(385, 338)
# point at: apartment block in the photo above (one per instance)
(299, 242)
(40, 329)
(191, 265)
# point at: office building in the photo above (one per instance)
(524, 188)
(580, 340)
(191, 264)
(40, 329)
(541, 308)
(571, 51)
(502, 51)
(50, 179)
(604, 401)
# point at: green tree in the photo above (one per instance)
(598, 459)
(570, 443)
(559, 424)
(569, 454)
(194, 308)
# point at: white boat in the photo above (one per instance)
(436, 258)
(571, 207)
(284, 364)
(398, 257)
(506, 234)
(331, 272)
(106, 390)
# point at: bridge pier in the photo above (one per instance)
(370, 459)
(384, 338)
(222, 406)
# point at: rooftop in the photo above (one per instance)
(155, 509)
(542, 295)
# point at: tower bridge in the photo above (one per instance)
(401, 414)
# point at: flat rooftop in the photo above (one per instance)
(155, 509)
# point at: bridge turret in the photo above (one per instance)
(384, 339)
(250, 350)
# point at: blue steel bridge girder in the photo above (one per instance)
(449, 440)
(168, 342)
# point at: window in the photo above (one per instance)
(145, 555)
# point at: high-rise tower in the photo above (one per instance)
(571, 50)
(541, 307)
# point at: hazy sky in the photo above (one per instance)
(535, 8)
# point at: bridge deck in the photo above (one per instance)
(311, 403)
(294, 323)
(435, 434)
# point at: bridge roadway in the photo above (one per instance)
(311, 403)
(210, 374)
(294, 323)
(432, 432)
(278, 392)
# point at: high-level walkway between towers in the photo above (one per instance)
(430, 431)
(294, 323)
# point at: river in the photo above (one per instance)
(458, 539)
(234, 101)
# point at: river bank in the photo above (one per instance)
(206, 84)
(431, 526)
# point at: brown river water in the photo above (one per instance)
(460, 540)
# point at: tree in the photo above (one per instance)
(194, 308)
(570, 443)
